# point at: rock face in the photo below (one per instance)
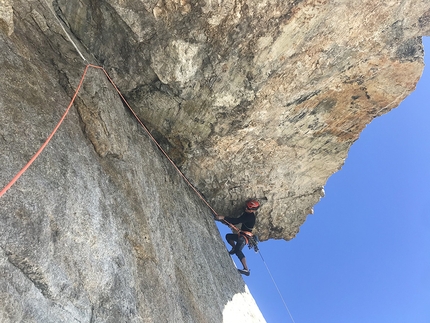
(254, 99)
(257, 99)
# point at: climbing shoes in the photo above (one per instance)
(244, 271)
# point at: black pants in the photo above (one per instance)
(240, 243)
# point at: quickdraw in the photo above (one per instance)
(250, 239)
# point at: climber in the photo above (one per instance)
(240, 239)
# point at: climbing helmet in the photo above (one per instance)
(252, 205)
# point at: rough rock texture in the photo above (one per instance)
(250, 98)
(257, 98)
(100, 228)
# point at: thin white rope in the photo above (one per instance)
(65, 31)
(274, 283)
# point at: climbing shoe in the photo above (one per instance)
(245, 272)
(232, 252)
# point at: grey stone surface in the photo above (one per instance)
(100, 228)
(257, 99)
(251, 99)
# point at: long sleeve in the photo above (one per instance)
(247, 220)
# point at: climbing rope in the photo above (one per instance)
(22, 171)
(257, 250)
(65, 31)
(155, 141)
(277, 288)
(125, 101)
(18, 175)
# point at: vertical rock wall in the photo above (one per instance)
(250, 98)
(100, 228)
(257, 98)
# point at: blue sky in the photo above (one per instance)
(364, 256)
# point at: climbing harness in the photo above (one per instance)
(251, 239)
(245, 235)
(253, 243)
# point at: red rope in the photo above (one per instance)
(17, 176)
(231, 226)
(135, 115)
(155, 141)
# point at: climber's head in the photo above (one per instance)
(252, 205)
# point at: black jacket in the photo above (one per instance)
(247, 220)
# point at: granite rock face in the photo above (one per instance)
(100, 228)
(254, 99)
(257, 99)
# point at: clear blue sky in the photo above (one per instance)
(364, 256)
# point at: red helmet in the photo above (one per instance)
(252, 205)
